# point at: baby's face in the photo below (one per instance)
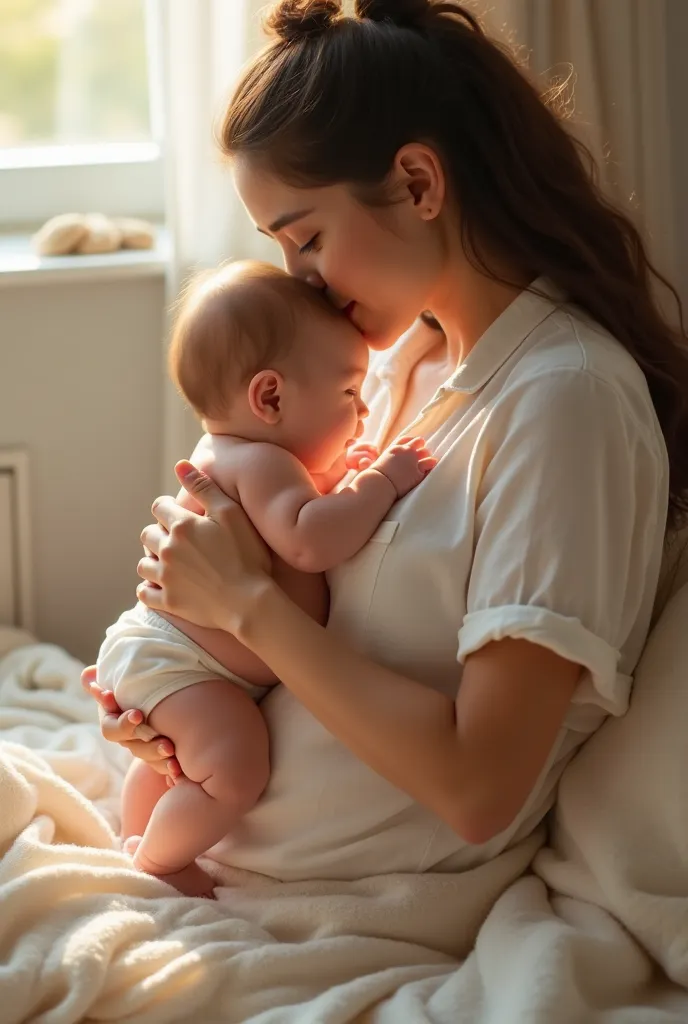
(322, 411)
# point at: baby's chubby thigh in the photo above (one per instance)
(221, 740)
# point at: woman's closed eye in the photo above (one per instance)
(310, 246)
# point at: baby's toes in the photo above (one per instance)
(131, 845)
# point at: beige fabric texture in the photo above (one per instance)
(85, 938)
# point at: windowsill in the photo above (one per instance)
(19, 264)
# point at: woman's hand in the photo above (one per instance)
(122, 727)
(205, 569)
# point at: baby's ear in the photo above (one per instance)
(265, 396)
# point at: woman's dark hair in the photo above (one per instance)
(332, 99)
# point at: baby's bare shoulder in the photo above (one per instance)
(230, 458)
(221, 457)
(259, 457)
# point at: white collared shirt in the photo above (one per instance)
(544, 520)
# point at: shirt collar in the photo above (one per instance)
(406, 353)
(505, 335)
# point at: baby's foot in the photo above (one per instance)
(131, 845)
(190, 881)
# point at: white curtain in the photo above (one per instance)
(617, 51)
(204, 46)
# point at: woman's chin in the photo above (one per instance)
(380, 342)
(381, 338)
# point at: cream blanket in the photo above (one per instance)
(84, 938)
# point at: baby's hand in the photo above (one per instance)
(361, 456)
(405, 464)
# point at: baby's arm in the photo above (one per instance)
(314, 532)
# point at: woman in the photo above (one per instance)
(403, 163)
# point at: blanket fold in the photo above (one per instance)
(84, 937)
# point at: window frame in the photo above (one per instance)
(117, 179)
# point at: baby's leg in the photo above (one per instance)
(221, 743)
(142, 789)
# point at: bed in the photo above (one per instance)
(586, 924)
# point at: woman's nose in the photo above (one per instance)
(314, 279)
(294, 265)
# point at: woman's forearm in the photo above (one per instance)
(403, 730)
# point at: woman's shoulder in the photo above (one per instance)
(570, 352)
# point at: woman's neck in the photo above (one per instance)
(468, 302)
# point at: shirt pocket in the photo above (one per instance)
(352, 585)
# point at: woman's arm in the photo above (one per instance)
(473, 761)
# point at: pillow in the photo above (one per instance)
(674, 572)
(620, 829)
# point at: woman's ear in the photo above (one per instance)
(418, 170)
(265, 393)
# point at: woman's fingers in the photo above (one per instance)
(147, 753)
(152, 537)
(150, 569)
(174, 772)
(129, 728)
(121, 728)
(152, 596)
(106, 700)
(88, 678)
(201, 487)
(167, 512)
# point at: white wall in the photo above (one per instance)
(81, 378)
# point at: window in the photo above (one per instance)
(73, 71)
(79, 122)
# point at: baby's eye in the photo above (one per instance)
(352, 391)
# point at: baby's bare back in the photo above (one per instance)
(224, 459)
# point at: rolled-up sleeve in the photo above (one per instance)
(570, 484)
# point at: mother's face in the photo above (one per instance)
(380, 264)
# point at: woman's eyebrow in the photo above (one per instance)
(284, 221)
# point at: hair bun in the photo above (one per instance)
(291, 20)
(401, 12)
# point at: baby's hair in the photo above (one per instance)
(231, 323)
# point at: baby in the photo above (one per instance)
(275, 374)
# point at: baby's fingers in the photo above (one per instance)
(427, 464)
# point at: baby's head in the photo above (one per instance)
(262, 355)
